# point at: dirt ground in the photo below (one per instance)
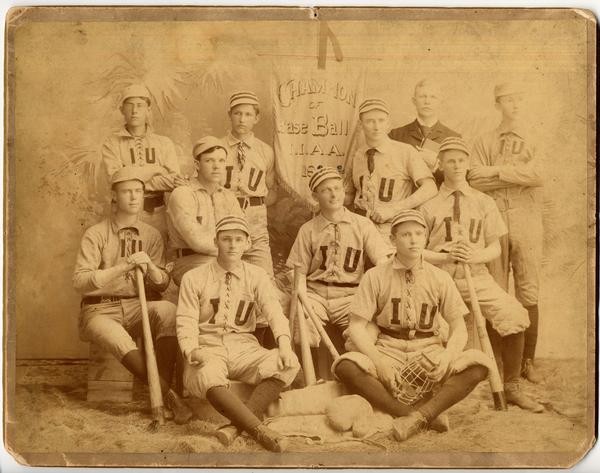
(52, 415)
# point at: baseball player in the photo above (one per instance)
(193, 210)
(329, 253)
(464, 227)
(406, 297)
(105, 276)
(215, 320)
(136, 145)
(383, 175)
(506, 165)
(426, 132)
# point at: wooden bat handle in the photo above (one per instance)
(156, 399)
(307, 362)
(494, 376)
(319, 326)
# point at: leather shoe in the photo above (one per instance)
(530, 373)
(268, 438)
(407, 426)
(516, 396)
(181, 411)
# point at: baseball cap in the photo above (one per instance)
(232, 222)
(135, 90)
(321, 175)
(454, 142)
(206, 143)
(507, 88)
(243, 97)
(126, 173)
(373, 104)
(409, 215)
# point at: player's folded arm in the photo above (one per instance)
(182, 209)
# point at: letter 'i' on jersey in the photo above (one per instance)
(242, 314)
(425, 320)
(149, 153)
(254, 178)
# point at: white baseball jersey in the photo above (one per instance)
(258, 166)
(334, 252)
(396, 297)
(215, 301)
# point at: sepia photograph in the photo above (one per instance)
(300, 237)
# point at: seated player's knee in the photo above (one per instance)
(162, 315)
(198, 380)
(346, 369)
(480, 372)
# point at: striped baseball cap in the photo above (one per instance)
(409, 215)
(321, 175)
(242, 97)
(231, 222)
(206, 143)
(454, 142)
(373, 104)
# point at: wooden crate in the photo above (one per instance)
(108, 380)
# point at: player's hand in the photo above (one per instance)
(140, 259)
(386, 372)
(181, 180)
(287, 357)
(444, 363)
(382, 215)
(461, 252)
(198, 357)
(483, 172)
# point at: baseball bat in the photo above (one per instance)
(156, 399)
(307, 362)
(494, 376)
(319, 326)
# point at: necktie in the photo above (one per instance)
(241, 156)
(227, 301)
(371, 160)
(410, 313)
(456, 208)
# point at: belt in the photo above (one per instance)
(246, 202)
(336, 284)
(405, 333)
(181, 252)
(153, 200)
(88, 300)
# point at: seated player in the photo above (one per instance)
(215, 320)
(137, 145)
(193, 210)
(105, 275)
(385, 176)
(465, 226)
(405, 298)
(329, 253)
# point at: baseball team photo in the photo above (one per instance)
(300, 237)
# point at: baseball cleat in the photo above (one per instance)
(516, 396)
(441, 423)
(268, 438)
(227, 434)
(530, 373)
(182, 414)
(407, 426)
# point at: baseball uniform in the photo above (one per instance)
(249, 174)
(216, 312)
(406, 304)
(396, 170)
(192, 215)
(332, 257)
(426, 140)
(516, 192)
(110, 309)
(155, 155)
(467, 214)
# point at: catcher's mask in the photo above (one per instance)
(412, 381)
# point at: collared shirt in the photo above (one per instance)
(258, 171)
(516, 154)
(211, 301)
(193, 213)
(155, 154)
(398, 168)
(480, 222)
(335, 252)
(105, 245)
(396, 297)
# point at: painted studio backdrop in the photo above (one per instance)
(69, 76)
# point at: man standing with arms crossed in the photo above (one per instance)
(506, 165)
(382, 176)
(137, 145)
(426, 132)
